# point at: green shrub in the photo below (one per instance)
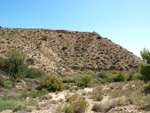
(45, 37)
(85, 80)
(107, 80)
(102, 75)
(98, 97)
(33, 73)
(114, 72)
(14, 65)
(52, 83)
(131, 76)
(69, 80)
(68, 109)
(79, 106)
(145, 68)
(120, 77)
(145, 71)
(76, 104)
(112, 67)
(97, 93)
(145, 54)
(64, 48)
(8, 84)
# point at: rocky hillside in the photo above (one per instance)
(60, 52)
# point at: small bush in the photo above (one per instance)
(97, 108)
(112, 67)
(76, 104)
(145, 71)
(33, 73)
(131, 76)
(8, 84)
(97, 93)
(98, 97)
(64, 48)
(98, 37)
(69, 80)
(52, 83)
(102, 75)
(68, 109)
(45, 37)
(79, 106)
(107, 80)
(115, 102)
(86, 80)
(120, 77)
(114, 72)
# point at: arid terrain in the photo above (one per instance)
(60, 51)
(59, 71)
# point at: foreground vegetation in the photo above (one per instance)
(117, 88)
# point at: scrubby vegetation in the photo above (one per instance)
(94, 73)
(77, 104)
(97, 93)
(52, 83)
(145, 67)
(85, 80)
(120, 77)
(15, 66)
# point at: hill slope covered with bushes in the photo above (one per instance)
(59, 51)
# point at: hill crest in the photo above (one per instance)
(61, 52)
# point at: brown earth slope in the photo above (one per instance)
(60, 51)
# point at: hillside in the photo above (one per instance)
(60, 52)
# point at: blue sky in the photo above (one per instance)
(125, 22)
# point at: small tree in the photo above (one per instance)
(15, 66)
(145, 67)
(13, 62)
(145, 54)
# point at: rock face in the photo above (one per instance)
(57, 51)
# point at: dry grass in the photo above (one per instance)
(126, 93)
